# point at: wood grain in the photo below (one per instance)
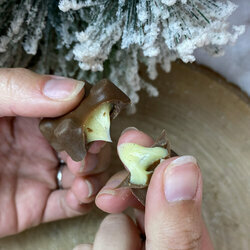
(203, 117)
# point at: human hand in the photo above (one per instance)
(28, 165)
(173, 218)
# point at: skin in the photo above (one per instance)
(166, 224)
(28, 170)
(28, 165)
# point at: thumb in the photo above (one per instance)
(173, 217)
(25, 93)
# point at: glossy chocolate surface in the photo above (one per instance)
(66, 133)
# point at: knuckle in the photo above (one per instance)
(185, 240)
(14, 87)
(11, 78)
(183, 235)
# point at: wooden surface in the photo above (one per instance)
(203, 117)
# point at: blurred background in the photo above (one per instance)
(234, 65)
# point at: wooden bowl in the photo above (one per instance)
(205, 117)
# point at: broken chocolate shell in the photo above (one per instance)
(68, 132)
(140, 191)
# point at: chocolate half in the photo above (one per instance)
(66, 133)
(140, 191)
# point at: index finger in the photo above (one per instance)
(112, 199)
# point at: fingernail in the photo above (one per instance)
(114, 183)
(128, 129)
(181, 179)
(59, 88)
(111, 185)
(90, 188)
(107, 191)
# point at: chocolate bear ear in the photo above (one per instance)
(162, 141)
(140, 194)
(63, 135)
(66, 133)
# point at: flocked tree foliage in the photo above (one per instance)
(91, 39)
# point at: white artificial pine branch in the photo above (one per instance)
(112, 37)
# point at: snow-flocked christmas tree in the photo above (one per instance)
(92, 39)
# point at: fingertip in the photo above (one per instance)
(173, 204)
(159, 170)
(135, 136)
(86, 188)
(117, 231)
(83, 190)
(74, 204)
(178, 176)
(96, 147)
(75, 167)
(114, 201)
(156, 193)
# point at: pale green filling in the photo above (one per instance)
(137, 159)
(97, 126)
